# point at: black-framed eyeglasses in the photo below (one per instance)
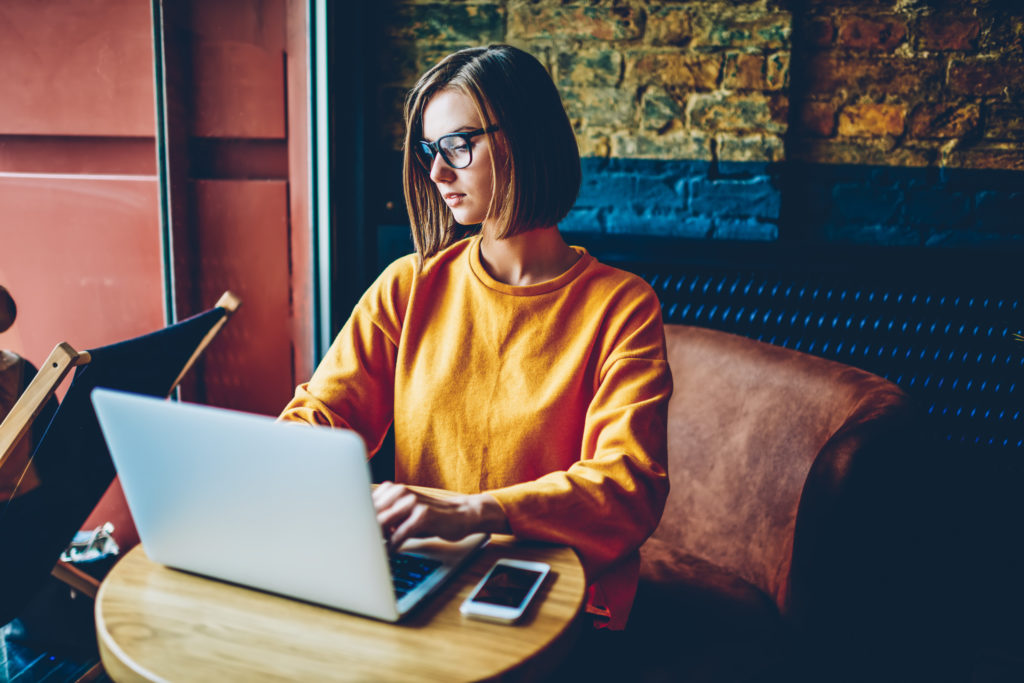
(455, 148)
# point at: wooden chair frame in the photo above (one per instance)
(42, 388)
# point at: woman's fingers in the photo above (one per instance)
(404, 513)
(409, 528)
(393, 505)
(401, 512)
(386, 493)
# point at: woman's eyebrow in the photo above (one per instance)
(460, 129)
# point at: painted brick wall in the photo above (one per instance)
(907, 122)
(898, 122)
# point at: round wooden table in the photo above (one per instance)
(155, 623)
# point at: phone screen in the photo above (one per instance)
(507, 586)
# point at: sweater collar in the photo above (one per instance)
(477, 266)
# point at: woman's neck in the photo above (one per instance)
(528, 258)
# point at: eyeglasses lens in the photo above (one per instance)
(425, 154)
(455, 150)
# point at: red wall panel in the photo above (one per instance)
(300, 200)
(242, 243)
(81, 257)
(238, 61)
(74, 154)
(76, 68)
(80, 233)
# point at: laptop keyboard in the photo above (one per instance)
(409, 571)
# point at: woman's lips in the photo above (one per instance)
(453, 199)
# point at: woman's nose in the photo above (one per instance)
(440, 171)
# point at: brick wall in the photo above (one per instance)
(901, 121)
(910, 84)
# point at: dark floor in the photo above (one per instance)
(54, 640)
(26, 661)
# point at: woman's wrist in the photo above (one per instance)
(488, 514)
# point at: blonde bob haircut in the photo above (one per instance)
(539, 169)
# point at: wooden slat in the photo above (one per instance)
(75, 578)
(40, 390)
(230, 303)
(94, 672)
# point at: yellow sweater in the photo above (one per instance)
(551, 397)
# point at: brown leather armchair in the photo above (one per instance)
(778, 556)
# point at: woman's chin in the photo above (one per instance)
(466, 218)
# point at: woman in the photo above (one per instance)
(518, 371)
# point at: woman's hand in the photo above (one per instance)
(405, 513)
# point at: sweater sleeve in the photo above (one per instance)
(353, 387)
(610, 500)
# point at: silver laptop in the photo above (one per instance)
(280, 507)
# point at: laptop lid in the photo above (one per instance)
(281, 507)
